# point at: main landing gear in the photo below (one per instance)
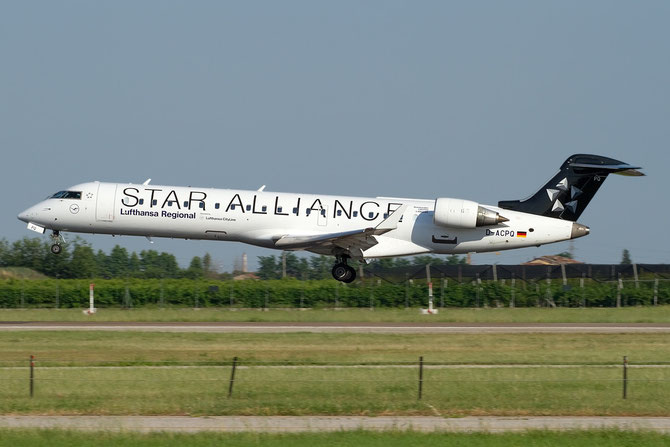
(342, 272)
(56, 248)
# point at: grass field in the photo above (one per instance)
(87, 348)
(657, 314)
(605, 438)
(343, 384)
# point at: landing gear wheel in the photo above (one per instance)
(340, 271)
(351, 275)
(56, 249)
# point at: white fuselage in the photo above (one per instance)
(260, 218)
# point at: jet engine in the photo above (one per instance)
(458, 213)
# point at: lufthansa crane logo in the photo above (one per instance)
(74, 208)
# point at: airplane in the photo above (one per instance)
(358, 228)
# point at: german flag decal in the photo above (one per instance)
(520, 234)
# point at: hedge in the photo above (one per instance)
(51, 293)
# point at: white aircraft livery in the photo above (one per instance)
(345, 227)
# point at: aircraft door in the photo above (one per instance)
(323, 216)
(106, 199)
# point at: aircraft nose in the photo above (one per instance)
(25, 215)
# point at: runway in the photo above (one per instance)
(286, 424)
(388, 328)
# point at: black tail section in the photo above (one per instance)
(568, 193)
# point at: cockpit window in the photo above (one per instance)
(67, 195)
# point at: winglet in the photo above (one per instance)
(391, 222)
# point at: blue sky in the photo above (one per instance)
(479, 100)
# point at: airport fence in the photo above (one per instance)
(67, 385)
(574, 285)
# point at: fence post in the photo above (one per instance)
(618, 291)
(549, 297)
(511, 303)
(495, 273)
(32, 375)
(564, 275)
(232, 281)
(57, 292)
(637, 284)
(625, 376)
(127, 300)
(420, 377)
(581, 286)
(445, 283)
(407, 290)
(372, 295)
(267, 297)
(478, 282)
(232, 378)
(655, 291)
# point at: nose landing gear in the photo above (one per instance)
(343, 272)
(56, 248)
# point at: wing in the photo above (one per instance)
(354, 241)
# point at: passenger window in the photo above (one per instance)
(279, 209)
(371, 214)
(232, 207)
(339, 212)
(154, 202)
(185, 203)
(355, 213)
(323, 212)
(216, 206)
(264, 208)
(295, 210)
(386, 215)
(248, 207)
(307, 212)
(202, 205)
(141, 201)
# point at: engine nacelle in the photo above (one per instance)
(458, 213)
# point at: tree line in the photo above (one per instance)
(79, 260)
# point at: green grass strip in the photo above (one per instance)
(605, 438)
(648, 314)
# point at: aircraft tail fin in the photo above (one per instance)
(568, 193)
